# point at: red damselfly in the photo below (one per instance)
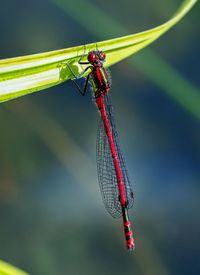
(112, 174)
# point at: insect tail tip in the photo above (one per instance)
(131, 249)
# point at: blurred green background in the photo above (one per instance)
(52, 219)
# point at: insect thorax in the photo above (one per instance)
(100, 80)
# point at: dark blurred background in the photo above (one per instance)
(52, 219)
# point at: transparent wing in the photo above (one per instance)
(106, 169)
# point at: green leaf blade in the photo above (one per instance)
(7, 269)
(23, 75)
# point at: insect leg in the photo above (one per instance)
(81, 91)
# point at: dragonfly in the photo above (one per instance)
(113, 177)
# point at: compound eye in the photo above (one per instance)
(102, 55)
(91, 57)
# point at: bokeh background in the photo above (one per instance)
(52, 219)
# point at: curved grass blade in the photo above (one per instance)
(148, 62)
(7, 269)
(23, 75)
